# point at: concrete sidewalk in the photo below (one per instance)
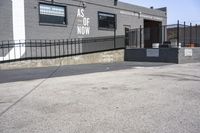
(101, 98)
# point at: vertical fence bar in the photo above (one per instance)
(31, 49)
(75, 46)
(132, 41)
(128, 39)
(45, 42)
(67, 47)
(164, 33)
(79, 45)
(25, 51)
(59, 47)
(115, 36)
(82, 44)
(63, 47)
(36, 48)
(20, 50)
(14, 50)
(50, 49)
(55, 47)
(71, 47)
(178, 28)
(3, 50)
(8, 50)
(196, 32)
(184, 40)
(140, 36)
(190, 33)
(41, 48)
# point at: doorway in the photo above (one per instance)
(152, 33)
(126, 31)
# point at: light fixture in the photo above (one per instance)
(84, 4)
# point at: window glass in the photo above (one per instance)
(52, 14)
(106, 20)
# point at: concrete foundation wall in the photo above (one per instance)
(165, 55)
(169, 55)
(189, 59)
(101, 57)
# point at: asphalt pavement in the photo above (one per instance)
(127, 97)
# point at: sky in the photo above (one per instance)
(182, 10)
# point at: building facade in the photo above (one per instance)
(62, 19)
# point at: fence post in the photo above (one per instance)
(67, 47)
(75, 46)
(190, 33)
(55, 47)
(184, 36)
(31, 49)
(59, 47)
(115, 36)
(50, 49)
(41, 47)
(71, 46)
(78, 45)
(63, 47)
(178, 34)
(25, 46)
(45, 48)
(140, 36)
(136, 36)
(164, 33)
(8, 50)
(14, 50)
(36, 47)
(3, 50)
(196, 35)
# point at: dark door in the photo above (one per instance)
(152, 33)
(126, 30)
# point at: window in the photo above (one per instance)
(106, 20)
(52, 14)
(115, 2)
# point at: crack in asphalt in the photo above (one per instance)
(28, 93)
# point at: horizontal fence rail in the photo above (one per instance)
(46, 49)
(171, 36)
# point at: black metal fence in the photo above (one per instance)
(177, 35)
(46, 49)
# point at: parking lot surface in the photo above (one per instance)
(127, 97)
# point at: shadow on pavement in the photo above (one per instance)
(69, 70)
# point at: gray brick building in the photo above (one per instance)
(62, 19)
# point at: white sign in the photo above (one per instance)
(83, 27)
(188, 52)
(150, 17)
(129, 13)
(152, 52)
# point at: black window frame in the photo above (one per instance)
(53, 24)
(105, 28)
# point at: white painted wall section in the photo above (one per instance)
(18, 31)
